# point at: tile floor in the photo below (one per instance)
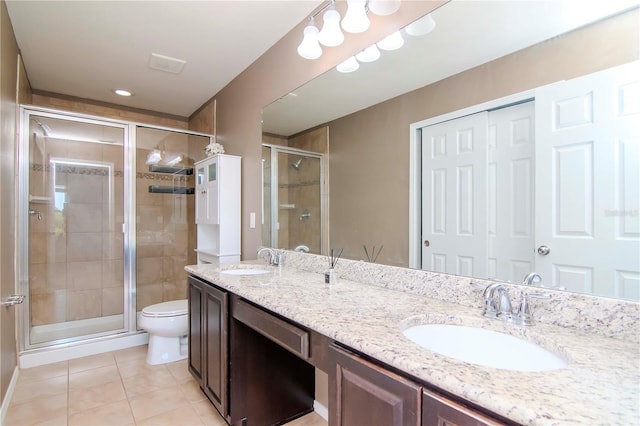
(115, 388)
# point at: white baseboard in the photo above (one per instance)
(321, 410)
(7, 397)
(36, 357)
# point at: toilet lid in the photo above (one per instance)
(166, 309)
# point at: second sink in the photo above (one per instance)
(484, 347)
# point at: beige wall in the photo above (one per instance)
(8, 130)
(279, 71)
(369, 161)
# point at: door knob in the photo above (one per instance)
(543, 250)
(35, 213)
(426, 243)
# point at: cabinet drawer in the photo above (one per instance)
(438, 410)
(282, 332)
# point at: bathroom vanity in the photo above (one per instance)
(256, 339)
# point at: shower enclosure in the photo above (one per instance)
(294, 199)
(105, 223)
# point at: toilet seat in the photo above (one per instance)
(172, 308)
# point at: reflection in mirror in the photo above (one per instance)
(458, 65)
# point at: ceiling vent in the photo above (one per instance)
(166, 63)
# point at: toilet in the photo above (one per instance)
(167, 324)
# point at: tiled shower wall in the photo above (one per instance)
(76, 255)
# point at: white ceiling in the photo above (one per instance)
(88, 48)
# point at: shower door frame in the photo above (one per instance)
(324, 198)
(129, 227)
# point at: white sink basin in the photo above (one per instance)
(245, 271)
(484, 347)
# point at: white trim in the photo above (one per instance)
(38, 357)
(415, 157)
(321, 410)
(7, 396)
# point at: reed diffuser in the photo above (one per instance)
(330, 275)
(373, 255)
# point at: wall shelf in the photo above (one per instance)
(171, 170)
(158, 189)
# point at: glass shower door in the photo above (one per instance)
(75, 229)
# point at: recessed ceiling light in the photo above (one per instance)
(122, 92)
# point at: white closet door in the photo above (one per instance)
(587, 201)
(454, 164)
(510, 194)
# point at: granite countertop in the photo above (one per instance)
(601, 384)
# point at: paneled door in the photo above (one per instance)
(454, 202)
(588, 235)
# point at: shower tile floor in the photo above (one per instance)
(115, 388)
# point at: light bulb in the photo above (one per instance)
(310, 48)
(355, 20)
(422, 26)
(350, 65)
(384, 7)
(369, 54)
(391, 42)
(331, 34)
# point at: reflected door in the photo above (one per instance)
(588, 131)
(76, 216)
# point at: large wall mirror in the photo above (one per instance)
(478, 52)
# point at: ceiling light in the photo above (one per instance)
(310, 48)
(331, 34)
(355, 20)
(122, 92)
(384, 7)
(391, 42)
(350, 65)
(369, 54)
(422, 26)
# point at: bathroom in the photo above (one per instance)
(232, 127)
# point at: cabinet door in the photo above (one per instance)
(362, 393)
(201, 195)
(439, 411)
(215, 348)
(212, 192)
(195, 328)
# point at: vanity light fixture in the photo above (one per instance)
(356, 20)
(391, 42)
(310, 47)
(422, 26)
(350, 65)
(384, 7)
(122, 92)
(369, 54)
(331, 34)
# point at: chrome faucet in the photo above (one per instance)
(274, 258)
(497, 303)
(531, 279)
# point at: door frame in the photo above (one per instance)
(415, 162)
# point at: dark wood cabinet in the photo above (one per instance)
(363, 393)
(440, 411)
(208, 341)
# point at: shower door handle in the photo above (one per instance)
(14, 299)
(35, 213)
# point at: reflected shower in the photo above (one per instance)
(296, 165)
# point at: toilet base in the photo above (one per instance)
(165, 349)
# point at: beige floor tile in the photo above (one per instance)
(311, 419)
(37, 411)
(135, 367)
(116, 413)
(34, 389)
(58, 421)
(151, 404)
(96, 396)
(91, 362)
(180, 370)
(184, 415)
(208, 414)
(191, 391)
(145, 383)
(44, 371)
(93, 377)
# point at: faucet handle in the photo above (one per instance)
(524, 314)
